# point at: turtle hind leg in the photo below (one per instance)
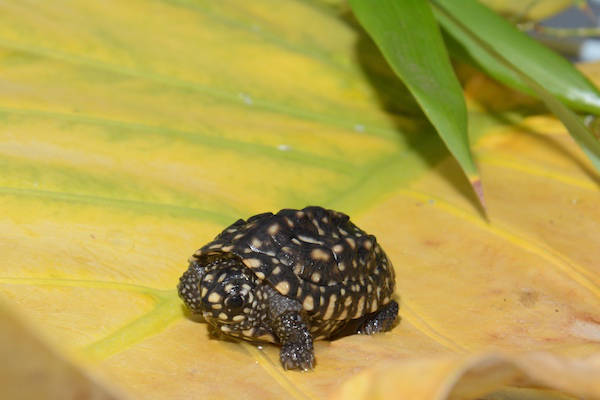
(381, 320)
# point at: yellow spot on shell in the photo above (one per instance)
(309, 239)
(298, 269)
(330, 307)
(319, 254)
(374, 305)
(315, 277)
(273, 229)
(360, 307)
(309, 303)
(252, 262)
(283, 287)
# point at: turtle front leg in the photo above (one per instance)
(291, 330)
(296, 342)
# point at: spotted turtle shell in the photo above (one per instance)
(316, 256)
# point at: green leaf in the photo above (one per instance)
(408, 36)
(584, 138)
(549, 69)
(577, 129)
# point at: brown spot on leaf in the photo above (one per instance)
(528, 298)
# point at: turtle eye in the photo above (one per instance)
(234, 303)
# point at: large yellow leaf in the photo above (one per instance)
(133, 132)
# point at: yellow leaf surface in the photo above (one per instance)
(535, 10)
(134, 132)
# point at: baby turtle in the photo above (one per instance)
(290, 278)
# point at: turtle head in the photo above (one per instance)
(222, 291)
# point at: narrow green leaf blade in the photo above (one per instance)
(554, 73)
(408, 36)
(584, 138)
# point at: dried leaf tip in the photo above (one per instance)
(478, 188)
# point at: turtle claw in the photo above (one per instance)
(297, 356)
